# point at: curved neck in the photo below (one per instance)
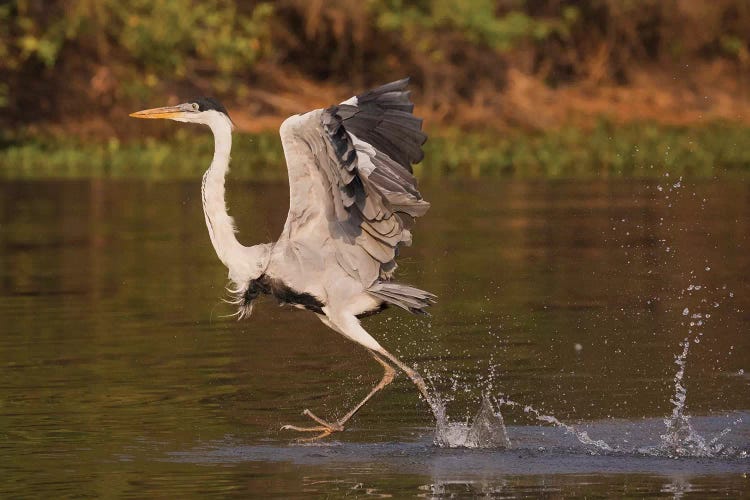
(220, 224)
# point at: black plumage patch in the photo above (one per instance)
(283, 293)
(209, 103)
(382, 118)
(372, 312)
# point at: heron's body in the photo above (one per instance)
(352, 200)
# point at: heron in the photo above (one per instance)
(353, 200)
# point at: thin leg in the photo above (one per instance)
(349, 326)
(327, 428)
(388, 377)
(324, 431)
(413, 375)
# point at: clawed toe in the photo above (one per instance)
(335, 427)
(324, 432)
(325, 428)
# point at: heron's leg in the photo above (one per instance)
(388, 376)
(349, 326)
(412, 374)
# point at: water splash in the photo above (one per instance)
(486, 430)
(582, 436)
(680, 438)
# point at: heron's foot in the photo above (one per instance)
(324, 432)
(325, 428)
(335, 427)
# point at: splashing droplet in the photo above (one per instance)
(487, 430)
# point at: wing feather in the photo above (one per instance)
(360, 153)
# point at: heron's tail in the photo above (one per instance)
(406, 297)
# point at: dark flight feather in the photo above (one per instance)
(377, 189)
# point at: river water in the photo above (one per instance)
(120, 375)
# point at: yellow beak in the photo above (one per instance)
(165, 112)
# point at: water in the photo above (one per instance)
(680, 438)
(486, 430)
(120, 377)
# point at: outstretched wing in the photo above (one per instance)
(350, 179)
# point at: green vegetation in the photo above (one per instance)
(631, 150)
(138, 42)
(636, 150)
(140, 45)
(102, 56)
(478, 22)
(184, 155)
(74, 68)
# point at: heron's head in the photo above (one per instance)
(203, 110)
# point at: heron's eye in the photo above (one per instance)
(195, 106)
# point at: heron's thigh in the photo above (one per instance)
(348, 325)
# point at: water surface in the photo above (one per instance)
(120, 375)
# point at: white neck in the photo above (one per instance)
(244, 263)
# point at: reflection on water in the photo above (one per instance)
(115, 360)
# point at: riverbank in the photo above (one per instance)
(606, 150)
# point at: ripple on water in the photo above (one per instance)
(536, 450)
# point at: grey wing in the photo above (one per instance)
(351, 184)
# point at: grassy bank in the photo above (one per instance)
(632, 150)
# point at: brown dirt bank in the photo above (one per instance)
(688, 96)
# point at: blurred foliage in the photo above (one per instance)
(630, 150)
(127, 46)
(478, 21)
(66, 61)
(634, 150)
(56, 55)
